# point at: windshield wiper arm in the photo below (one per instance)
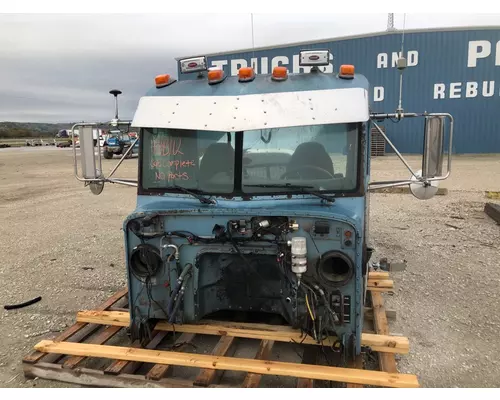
(202, 199)
(303, 189)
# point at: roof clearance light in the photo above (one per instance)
(279, 74)
(215, 75)
(246, 74)
(194, 64)
(314, 58)
(346, 71)
(163, 80)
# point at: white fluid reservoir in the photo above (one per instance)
(299, 256)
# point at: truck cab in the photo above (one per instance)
(252, 189)
(253, 198)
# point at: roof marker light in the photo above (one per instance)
(314, 58)
(279, 74)
(163, 80)
(215, 75)
(194, 64)
(246, 74)
(346, 71)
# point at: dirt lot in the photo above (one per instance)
(447, 301)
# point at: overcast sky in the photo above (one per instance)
(59, 68)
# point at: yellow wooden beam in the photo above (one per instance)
(382, 283)
(381, 343)
(264, 367)
(378, 275)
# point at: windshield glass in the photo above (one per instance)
(319, 157)
(192, 159)
(323, 157)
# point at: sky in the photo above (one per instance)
(60, 67)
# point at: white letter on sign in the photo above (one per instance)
(378, 93)
(455, 89)
(412, 58)
(471, 89)
(474, 52)
(275, 62)
(497, 60)
(439, 91)
(382, 60)
(236, 65)
(219, 64)
(486, 92)
(297, 69)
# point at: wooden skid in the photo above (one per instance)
(81, 356)
(384, 343)
(348, 375)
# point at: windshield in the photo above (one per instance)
(319, 157)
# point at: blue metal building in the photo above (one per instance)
(455, 70)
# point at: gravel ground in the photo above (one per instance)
(63, 243)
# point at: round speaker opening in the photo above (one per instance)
(335, 268)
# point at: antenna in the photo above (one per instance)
(401, 66)
(115, 93)
(253, 39)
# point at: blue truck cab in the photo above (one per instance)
(252, 198)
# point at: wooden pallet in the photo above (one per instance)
(81, 355)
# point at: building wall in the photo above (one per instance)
(455, 71)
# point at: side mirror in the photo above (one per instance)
(432, 161)
(87, 151)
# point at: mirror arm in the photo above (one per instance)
(383, 185)
(395, 150)
(123, 182)
(123, 158)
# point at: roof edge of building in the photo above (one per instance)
(340, 38)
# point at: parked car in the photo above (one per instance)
(34, 142)
(64, 144)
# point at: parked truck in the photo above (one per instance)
(253, 196)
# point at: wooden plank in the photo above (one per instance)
(160, 370)
(207, 376)
(120, 366)
(493, 211)
(264, 353)
(96, 378)
(101, 338)
(378, 275)
(491, 194)
(390, 314)
(359, 364)
(310, 356)
(387, 362)
(347, 375)
(383, 283)
(71, 331)
(277, 333)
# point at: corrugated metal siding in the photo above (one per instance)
(442, 58)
